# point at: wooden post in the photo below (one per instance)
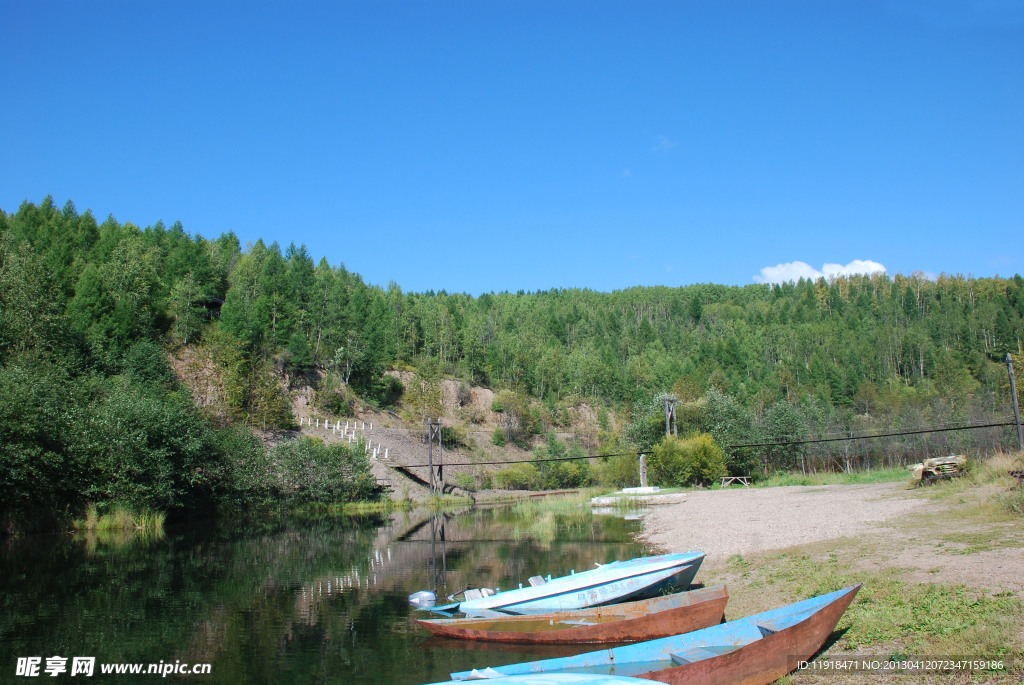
(1016, 406)
(430, 452)
(670, 415)
(434, 431)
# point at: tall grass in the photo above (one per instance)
(558, 504)
(121, 518)
(540, 518)
(883, 475)
(118, 527)
(319, 509)
(447, 502)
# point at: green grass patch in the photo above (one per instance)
(541, 518)
(569, 503)
(933, 619)
(970, 542)
(893, 474)
(121, 518)
(926, 618)
(317, 509)
(447, 502)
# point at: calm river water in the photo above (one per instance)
(294, 601)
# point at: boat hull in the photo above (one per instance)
(616, 582)
(628, 622)
(754, 650)
(764, 661)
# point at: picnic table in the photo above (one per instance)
(736, 479)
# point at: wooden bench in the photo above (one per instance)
(736, 479)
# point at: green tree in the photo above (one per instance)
(784, 424)
(186, 294)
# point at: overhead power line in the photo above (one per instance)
(869, 436)
(862, 436)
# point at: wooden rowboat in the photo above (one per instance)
(755, 650)
(564, 679)
(641, 620)
(608, 584)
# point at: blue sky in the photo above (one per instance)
(490, 145)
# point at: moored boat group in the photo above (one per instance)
(673, 638)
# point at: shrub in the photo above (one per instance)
(465, 395)
(453, 437)
(466, 481)
(621, 472)
(568, 474)
(571, 473)
(691, 461)
(518, 477)
(310, 471)
(498, 438)
(146, 364)
(391, 391)
(336, 398)
(704, 459)
(517, 420)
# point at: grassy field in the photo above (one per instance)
(886, 475)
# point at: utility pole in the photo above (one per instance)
(670, 415)
(434, 431)
(1016, 406)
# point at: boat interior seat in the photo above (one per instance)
(487, 592)
(772, 626)
(693, 654)
(473, 594)
(537, 580)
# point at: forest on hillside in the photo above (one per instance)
(88, 310)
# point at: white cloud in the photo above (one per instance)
(794, 271)
(857, 266)
(664, 144)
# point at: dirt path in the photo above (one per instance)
(745, 521)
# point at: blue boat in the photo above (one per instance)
(564, 679)
(755, 650)
(606, 584)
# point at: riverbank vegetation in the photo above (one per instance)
(138, 366)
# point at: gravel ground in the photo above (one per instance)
(749, 520)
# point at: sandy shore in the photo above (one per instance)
(745, 521)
